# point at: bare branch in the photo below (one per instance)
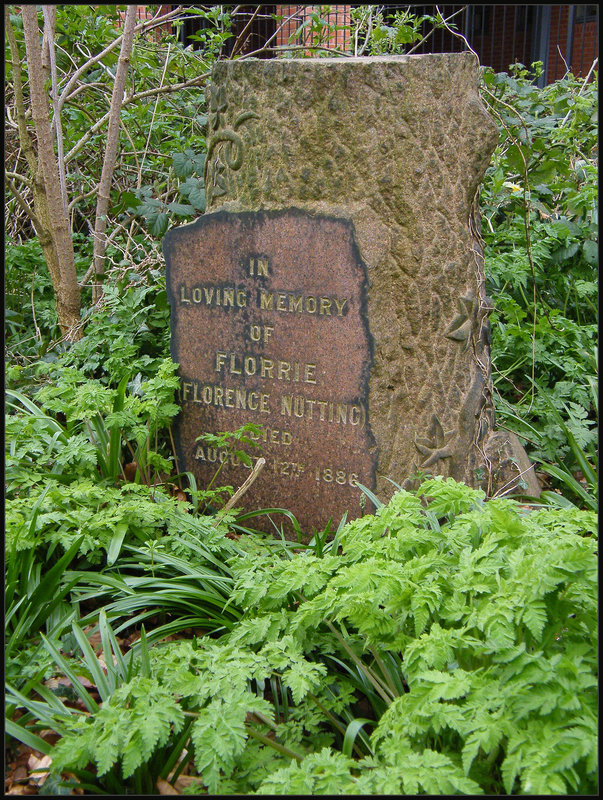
(14, 176)
(368, 34)
(134, 154)
(24, 137)
(11, 123)
(59, 253)
(146, 147)
(83, 86)
(50, 18)
(257, 468)
(586, 80)
(173, 87)
(240, 40)
(141, 27)
(33, 305)
(104, 186)
(133, 98)
(81, 197)
(24, 205)
(445, 23)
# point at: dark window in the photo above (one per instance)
(586, 13)
(524, 16)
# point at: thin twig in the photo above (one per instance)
(104, 186)
(432, 31)
(146, 147)
(133, 98)
(368, 34)
(176, 465)
(49, 13)
(143, 26)
(14, 176)
(567, 69)
(500, 493)
(258, 467)
(82, 88)
(33, 307)
(586, 80)
(241, 38)
(81, 197)
(24, 205)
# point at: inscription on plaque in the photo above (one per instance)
(269, 326)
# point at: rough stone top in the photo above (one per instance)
(395, 59)
(342, 61)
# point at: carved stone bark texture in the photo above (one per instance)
(399, 145)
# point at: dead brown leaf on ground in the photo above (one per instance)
(163, 787)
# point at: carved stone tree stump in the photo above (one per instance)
(334, 289)
(399, 146)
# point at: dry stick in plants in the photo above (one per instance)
(146, 147)
(240, 40)
(289, 48)
(444, 22)
(258, 467)
(133, 98)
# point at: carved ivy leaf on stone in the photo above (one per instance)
(219, 183)
(462, 326)
(217, 106)
(225, 149)
(437, 443)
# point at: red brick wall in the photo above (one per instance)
(558, 43)
(144, 13)
(586, 47)
(583, 52)
(505, 41)
(340, 15)
(292, 19)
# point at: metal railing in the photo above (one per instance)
(562, 37)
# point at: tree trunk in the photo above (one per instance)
(55, 236)
(104, 186)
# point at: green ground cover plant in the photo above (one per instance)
(446, 644)
(446, 647)
(540, 230)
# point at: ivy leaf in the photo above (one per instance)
(188, 163)
(194, 190)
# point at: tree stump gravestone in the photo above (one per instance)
(333, 293)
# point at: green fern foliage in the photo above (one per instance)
(219, 734)
(138, 718)
(448, 646)
(471, 626)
